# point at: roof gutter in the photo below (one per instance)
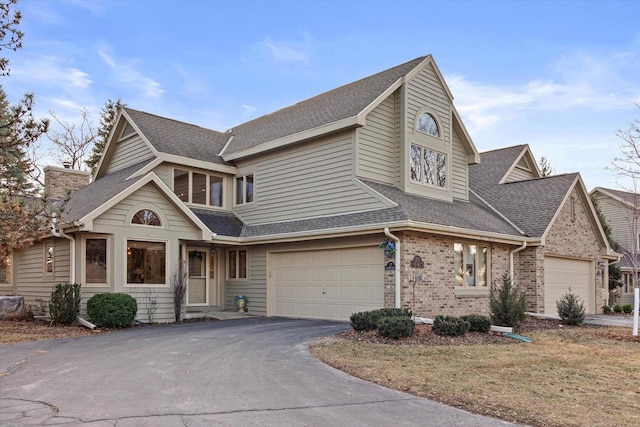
(397, 261)
(72, 252)
(524, 245)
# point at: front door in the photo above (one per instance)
(198, 269)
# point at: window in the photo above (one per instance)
(146, 217)
(627, 282)
(470, 265)
(428, 166)
(237, 264)
(198, 188)
(146, 262)
(5, 271)
(427, 124)
(244, 189)
(48, 258)
(95, 261)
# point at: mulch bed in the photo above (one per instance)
(424, 336)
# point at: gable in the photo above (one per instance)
(523, 168)
(619, 216)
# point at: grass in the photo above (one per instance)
(566, 377)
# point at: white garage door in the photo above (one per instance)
(327, 284)
(562, 273)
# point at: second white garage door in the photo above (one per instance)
(562, 273)
(326, 284)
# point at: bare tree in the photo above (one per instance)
(9, 22)
(545, 167)
(72, 143)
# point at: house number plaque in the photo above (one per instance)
(417, 262)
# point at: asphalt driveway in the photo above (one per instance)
(248, 372)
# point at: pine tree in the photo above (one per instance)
(107, 121)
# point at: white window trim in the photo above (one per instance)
(237, 279)
(208, 175)
(167, 272)
(46, 246)
(422, 168)
(156, 209)
(475, 291)
(244, 189)
(83, 262)
(428, 137)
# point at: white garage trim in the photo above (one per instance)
(562, 273)
(325, 283)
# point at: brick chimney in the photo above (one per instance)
(58, 180)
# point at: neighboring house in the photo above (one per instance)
(290, 209)
(621, 209)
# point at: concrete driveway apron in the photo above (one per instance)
(248, 372)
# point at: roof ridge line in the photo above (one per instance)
(500, 214)
(174, 120)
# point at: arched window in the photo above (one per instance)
(427, 124)
(146, 217)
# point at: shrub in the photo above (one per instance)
(606, 309)
(112, 310)
(507, 304)
(396, 327)
(627, 308)
(368, 320)
(64, 305)
(478, 323)
(617, 308)
(450, 325)
(570, 309)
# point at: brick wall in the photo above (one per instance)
(435, 294)
(57, 181)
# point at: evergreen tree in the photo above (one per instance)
(107, 121)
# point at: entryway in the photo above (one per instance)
(201, 272)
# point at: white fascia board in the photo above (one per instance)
(148, 168)
(362, 115)
(296, 137)
(379, 196)
(429, 60)
(530, 160)
(613, 196)
(202, 164)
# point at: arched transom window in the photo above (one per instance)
(146, 217)
(427, 124)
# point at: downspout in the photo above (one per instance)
(72, 251)
(524, 245)
(397, 262)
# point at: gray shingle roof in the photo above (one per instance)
(628, 197)
(221, 223)
(337, 104)
(179, 138)
(90, 197)
(529, 204)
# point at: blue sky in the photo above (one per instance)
(561, 76)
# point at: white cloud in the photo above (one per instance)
(190, 84)
(52, 71)
(287, 52)
(248, 111)
(126, 72)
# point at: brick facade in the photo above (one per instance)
(57, 181)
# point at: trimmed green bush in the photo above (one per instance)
(606, 309)
(617, 308)
(368, 320)
(112, 310)
(396, 327)
(478, 323)
(627, 308)
(450, 325)
(570, 309)
(64, 305)
(507, 304)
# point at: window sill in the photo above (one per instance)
(470, 292)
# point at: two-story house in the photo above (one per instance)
(621, 209)
(290, 209)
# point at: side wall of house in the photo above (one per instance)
(620, 219)
(437, 293)
(306, 180)
(30, 279)
(129, 151)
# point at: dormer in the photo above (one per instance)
(523, 168)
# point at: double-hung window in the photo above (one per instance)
(237, 266)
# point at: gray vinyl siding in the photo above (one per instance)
(307, 180)
(459, 170)
(128, 152)
(619, 217)
(425, 90)
(398, 135)
(30, 280)
(255, 288)
(147, 197)
(519, 174)
(165, 173)
(377, 144)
